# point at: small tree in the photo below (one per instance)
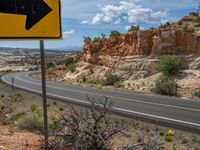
(115, 33)
(87, 129)
(112, 79)
(170, 65)
(134, 28)
(167, 24)
(166, 86)
(96, 39)
(50, 64)
(103, 36)
(87, 39)
(69, 60)
(72, 67)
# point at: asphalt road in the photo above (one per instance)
(180, 113)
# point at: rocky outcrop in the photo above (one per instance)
(149, 42)
(195, 64)
(137, 53)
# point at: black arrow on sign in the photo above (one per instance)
(35, 10)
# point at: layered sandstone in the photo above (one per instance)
(145, 43)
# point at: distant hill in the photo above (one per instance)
(71, 48)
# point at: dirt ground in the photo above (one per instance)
(18, 139)
(188, 82)
(14, 138)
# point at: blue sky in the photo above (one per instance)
(93, 17)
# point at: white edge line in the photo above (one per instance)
(114, 108)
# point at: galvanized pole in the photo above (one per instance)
(43, 72)
(12, 83)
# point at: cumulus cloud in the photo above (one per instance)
(163, 22)
(129, 11)
(101, 19)
(118, 21)
(84, 22)
(68, 33)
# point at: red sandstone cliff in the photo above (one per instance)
(149, 42)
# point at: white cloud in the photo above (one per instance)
(84, 22)
(101, 19)
(68, 33)
(160, 14)
(127, 28)
(164, 22)
(128, 11)
(118, 21)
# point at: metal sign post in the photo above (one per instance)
(35, 20)
(43, 72)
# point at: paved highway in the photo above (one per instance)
(160, 109)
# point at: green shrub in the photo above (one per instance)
(168, 138)
(87, 39)
(18, 116)
(16, 97)
(167, 24)
(37, 112)
(170, 65)
(112, 79)
(50, 65)
(4, 122)
(166, 86)
(184, 26)
(134, 28)
(31, 123)
(184, 141)
(68, 61)
(115, 33)
(198, 19)
(72, 67)
(180, 23)
(103, 36)
(2, 107)
(31, 69)
(96, 39)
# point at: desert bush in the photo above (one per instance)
(1, 95)
(114, 33)
(16, 97)
(167, 24)
(50, 64)
(72, 67)
(87, 128)
(134, 28)
(69, 60)
(32, 121)
(184, 27)
(184, 141)
(170, 132)
(168, 138)
(166, 86)
(180, 23)
(170, 65)
(112, 79)
(36, 111)
(87, 39)
(103, 36)
(96, 39)
(18, 116)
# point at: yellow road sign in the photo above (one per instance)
(30, 19)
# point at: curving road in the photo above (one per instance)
(175, 112)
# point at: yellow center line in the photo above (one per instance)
(119, 98)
